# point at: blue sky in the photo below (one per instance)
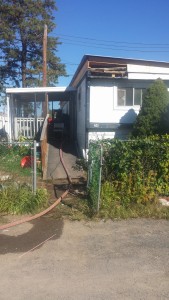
(117, 28)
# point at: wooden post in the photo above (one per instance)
(35, 116)
(45, 56)
(45, 105)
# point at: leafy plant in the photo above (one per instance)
(134, 172)
(153, 118)
(19, 199)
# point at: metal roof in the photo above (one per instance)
(54, 93)
(38, 90)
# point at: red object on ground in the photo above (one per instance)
(50, 120)
(28, 219)
(26, 161)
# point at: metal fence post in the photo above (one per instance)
(100, 177)
(95, 174)
(34, 167)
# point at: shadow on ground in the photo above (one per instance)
(14, 241)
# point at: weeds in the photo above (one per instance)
(19, 199)
(156, 211)
(10, 158)
(134, 174)
(75, 209)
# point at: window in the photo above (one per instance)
(129, 96)
(138, 96)
(121, 98)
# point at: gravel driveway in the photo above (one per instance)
(85, 260)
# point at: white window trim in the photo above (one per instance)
(125, 107)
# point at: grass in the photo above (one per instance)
(16, 195)
(78, 208)
(73, 208)
(10, 160)
(19, 199)
(154, 210)
(11, 163)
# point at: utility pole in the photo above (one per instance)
(45, 55)
(45, 104)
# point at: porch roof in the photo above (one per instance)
(54, 93)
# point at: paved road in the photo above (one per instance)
(93, 260)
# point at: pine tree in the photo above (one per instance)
(21, 42)
(152, 118)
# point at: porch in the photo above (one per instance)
(28, 112)
(28, 107)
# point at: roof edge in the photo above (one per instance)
(114, 59)
(38, 89)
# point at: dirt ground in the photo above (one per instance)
(60, 259)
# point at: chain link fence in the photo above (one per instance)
(19, 162)
(135, 166)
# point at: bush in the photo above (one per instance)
(131, 190)
(138, 159)
(152, 118)
(134, 173)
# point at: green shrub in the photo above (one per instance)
(134, 173)
(140, 157)
(153, 118)
(128, 192)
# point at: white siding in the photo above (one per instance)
(104, 109)
(148, 76)
(101, 104)
(147, 72)
(147, 69)
(100, 135)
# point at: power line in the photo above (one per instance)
(117, 42)
(114, 45)
(113, 48)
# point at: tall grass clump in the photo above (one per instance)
(19, 199)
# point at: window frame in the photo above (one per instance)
(133, 96)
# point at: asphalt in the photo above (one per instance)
(60, 259)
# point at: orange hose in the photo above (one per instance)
(63, 164)
(46, 210)
(37, 215)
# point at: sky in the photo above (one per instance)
(116, 28)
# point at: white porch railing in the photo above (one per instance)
(27, 127)
(3, 122)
